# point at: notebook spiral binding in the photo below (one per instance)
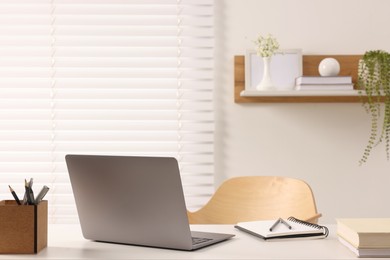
(325, 229)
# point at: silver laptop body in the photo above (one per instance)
(133, 200)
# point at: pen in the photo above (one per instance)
(274, 225)
(280, 220)
(30, 200)
(14, 195)
(31, 191)
(25, 199)
(41, 194)
(284, 222)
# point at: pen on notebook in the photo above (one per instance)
(274, 225)
(285, 222)
(280, 220)
(14, 195)
(41, 194)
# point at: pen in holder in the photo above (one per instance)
(23, 228)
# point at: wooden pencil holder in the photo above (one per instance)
(23, 228)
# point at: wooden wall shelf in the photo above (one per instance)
(348, 64)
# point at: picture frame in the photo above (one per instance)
(286, 66)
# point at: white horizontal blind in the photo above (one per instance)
(116, 77)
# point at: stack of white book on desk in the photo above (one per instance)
(366, 237)
(324, 83)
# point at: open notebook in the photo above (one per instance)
(299, 229)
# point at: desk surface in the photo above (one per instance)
(66, 242)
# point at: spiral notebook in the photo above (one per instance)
(293, 229)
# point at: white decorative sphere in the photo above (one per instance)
(329, 67)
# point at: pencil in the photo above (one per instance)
(14, 195)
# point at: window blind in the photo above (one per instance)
(114, 77)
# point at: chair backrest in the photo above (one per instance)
(258, 198)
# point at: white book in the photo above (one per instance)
(324, 87)
(299, 229)
(324, 80)
(366, 252)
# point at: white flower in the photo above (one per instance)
(266, 46)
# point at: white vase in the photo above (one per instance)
(266, 82)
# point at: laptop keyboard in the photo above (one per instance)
(199, 240)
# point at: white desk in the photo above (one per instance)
(66, 242)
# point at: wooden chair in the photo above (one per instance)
(258, 198)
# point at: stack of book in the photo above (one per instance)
(366, 237)
(324, 83)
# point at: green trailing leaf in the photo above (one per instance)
(374, 85)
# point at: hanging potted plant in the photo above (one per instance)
(374, 82)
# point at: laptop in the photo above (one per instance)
(134, 200)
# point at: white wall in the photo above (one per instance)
(319, 143)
